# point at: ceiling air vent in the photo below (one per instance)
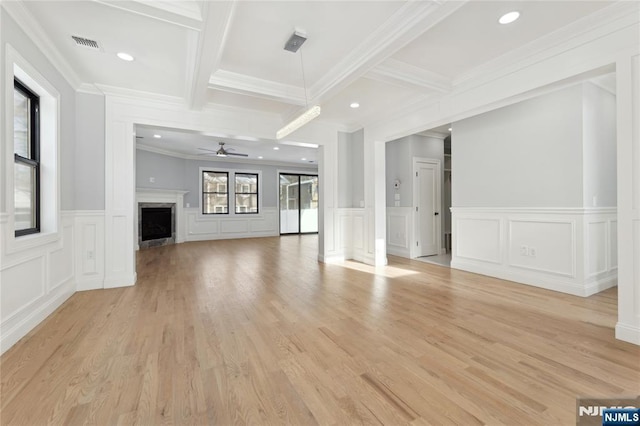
(85, 42)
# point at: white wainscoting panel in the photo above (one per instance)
(598, 245)
(89, 249)
(217, 227)
(548, 245)
(399, 231)
(570, 250)
(350, 234)
(478, 239)
(35, 280)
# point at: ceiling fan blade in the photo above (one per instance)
(237, 155)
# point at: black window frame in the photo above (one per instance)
(34, 145)
(204, 193)
(236, 193)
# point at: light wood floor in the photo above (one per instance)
(257, 331)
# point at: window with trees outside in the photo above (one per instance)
(26, 149)
(215, 192)
(246, 189)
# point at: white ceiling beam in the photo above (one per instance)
(205, 53)
(412, 20)
(402, 74)
(246, 85)
(184, 14)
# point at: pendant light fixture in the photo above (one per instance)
(293, 45)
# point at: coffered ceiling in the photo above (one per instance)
(382, 54)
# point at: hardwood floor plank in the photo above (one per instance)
(256, 331)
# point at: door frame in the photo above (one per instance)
(298, 173)
(416, 201)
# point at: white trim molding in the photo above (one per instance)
(570, 250)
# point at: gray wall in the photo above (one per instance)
(399, 165)
(89, 168)
(181, 174)
(525, 155)
(600, 178)
(15, 36)
(351, 169)
(556, 150)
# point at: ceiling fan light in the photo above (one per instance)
(220, 154)
(299, 121)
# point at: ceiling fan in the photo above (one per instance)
(222, 152)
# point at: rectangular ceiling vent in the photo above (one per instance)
(85, 42)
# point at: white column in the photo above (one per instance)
(328, 192)
(375, 200)
(628, 128)
(120, 265)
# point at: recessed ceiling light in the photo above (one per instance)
(354, 105)
(260, 157)
(508, 18)
(276, 148)
(303, 159)
(157, 136)
(125, 56)
(450, 129)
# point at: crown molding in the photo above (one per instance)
(410, 21)
(402, 74)
(246, 85)
(590, 27)
(204, 55)
(89, 89)
(139, 95)
(432, 134)
(184, 14)
(160, 151)
(33, 30)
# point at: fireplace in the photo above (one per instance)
(156, 224)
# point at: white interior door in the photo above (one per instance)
(428, 205)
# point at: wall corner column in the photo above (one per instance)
(375, 200)
(628, 152)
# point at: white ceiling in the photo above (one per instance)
(383, 54)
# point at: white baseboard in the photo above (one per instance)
(398, 251)
(628, 333)
(120, 281)
(10, 337)
(332, 258)
(549, 283)
(601, 284)
(91, 284)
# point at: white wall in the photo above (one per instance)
(525, 155)
(599, 146)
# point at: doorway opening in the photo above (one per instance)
(298, 203)
(427, 207)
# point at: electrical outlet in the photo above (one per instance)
(532, 252)
(524, 251)
(152, 180)
(90, 254)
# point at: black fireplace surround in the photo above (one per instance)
(156, 224)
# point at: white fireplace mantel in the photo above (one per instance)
(152, 195)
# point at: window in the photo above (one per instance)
(26, 149)
(246, 193)
(215, 196)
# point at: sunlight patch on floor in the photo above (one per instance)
(383, 271)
